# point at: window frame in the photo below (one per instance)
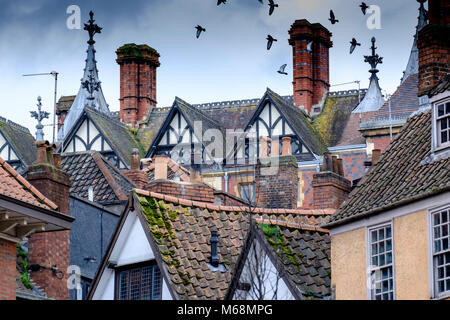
(119, 270)
(369, 229)
(251, 195)
(436, 133)
(431, 255)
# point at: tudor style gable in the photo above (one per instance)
(275, 118)
(7, 153)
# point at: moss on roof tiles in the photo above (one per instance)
(21, 140)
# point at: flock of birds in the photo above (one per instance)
(270, 40)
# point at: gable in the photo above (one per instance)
(88, 137)
(6, 151)
(269, 121)
(130, 246)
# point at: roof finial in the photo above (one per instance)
(92, 28)
(39, 116)
(423, 15)
(91, 84)
(374, 59)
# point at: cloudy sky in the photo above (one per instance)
(228, 62)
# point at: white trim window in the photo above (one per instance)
(441, 251)
(381, 265)
(442, 122)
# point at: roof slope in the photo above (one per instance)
(305, 254)
(181, 230)
(91, 169)
(20, 139)
(404, 101)
(147, 134)
(334, 120)
(15, 186)
(400, 175)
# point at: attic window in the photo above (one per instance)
(442, 116)
(139, 282)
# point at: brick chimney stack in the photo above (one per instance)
(135, 174)
(138, 65)
(434, 46)
(330, 188)
(277, 181)
(50, 249)
(310, 44)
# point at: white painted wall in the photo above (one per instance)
(131, 247)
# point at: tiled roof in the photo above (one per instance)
(154, 122)
(91, 169)
(15, 186)
(20, 139)
(181, 231)
(400, 175)
(404, 101)
(305, 254)
(337, 124)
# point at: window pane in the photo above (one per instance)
(381, 234)
(437, 219)
(444, 216)
(123, 285)
(374, 249)
(444, 124)
(444, 137)
(374, 236)
(441, 110)
(388, 232)
(447, 108)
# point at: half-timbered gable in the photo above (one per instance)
(95, 131)
(184, 128)
(275, 118)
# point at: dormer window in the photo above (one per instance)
(442, 116)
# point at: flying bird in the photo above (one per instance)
(270, 41)
(333, 17)
(353, 43)
(281, 71)
(200, 29)
(219, 2)
(261, 1)
(364, 7)
(272, 6)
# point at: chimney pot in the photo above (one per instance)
(375, 155)
(275, 148)
(286, 146)
(135, 160)
(160, 168)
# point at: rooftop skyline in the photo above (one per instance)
(228, 62)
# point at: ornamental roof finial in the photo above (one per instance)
(39, 116)
(92, 28)
(374, 59)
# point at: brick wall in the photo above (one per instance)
(278, 190)
(50, 248)
(138, 64)
(139, 178)
(330, 190)
(434, 46)
(8, 252)
(194, 192)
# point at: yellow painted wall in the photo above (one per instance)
(348, 260)
(411, 257)
(348, 265)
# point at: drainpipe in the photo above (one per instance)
(226, 181)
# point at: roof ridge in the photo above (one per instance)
(106, 116)
(98, 159)
(15, 125)
(190, 203)
(293, 225)
(35, 192)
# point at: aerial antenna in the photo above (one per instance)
(54, 74)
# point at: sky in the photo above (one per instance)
(228, 62)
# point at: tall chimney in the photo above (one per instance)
(138, 65)
(310, 44)
(50, 249)
(434, 46)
